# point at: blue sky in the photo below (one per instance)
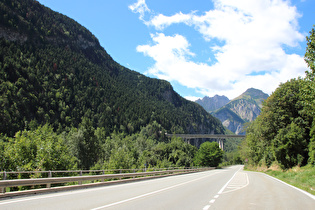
(201, 47)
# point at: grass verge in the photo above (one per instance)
(300, 177)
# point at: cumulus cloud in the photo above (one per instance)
(140, 7)
(250, 52)
(161, 21)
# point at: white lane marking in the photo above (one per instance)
(150, 193)
(229, 181)
(206, 207)
(306, 193)
(60, 194)
(241, 179)
(56, 194)
(216, 196)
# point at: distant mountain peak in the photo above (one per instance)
(233, 114)
(211, 104)
(253, 93)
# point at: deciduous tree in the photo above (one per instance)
(209, 154)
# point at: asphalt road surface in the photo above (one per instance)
(229, 188)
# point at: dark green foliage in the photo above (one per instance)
(290, 146)
(231, 154)
(86, 148)
(209, 154)
(40, 149)
(282, 132)
(70, 105)
(311, 147)
(53, 70)
(144, 149)
(309, 90)
(84, 144)
(310, 54)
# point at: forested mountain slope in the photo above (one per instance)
(53, 70)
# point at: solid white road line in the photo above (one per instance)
(60, 194)
(302, 191)
(229, 181)
(150, 193)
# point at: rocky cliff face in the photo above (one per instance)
(230, 120)
(211, 104)
(247, 110)
(241, 110)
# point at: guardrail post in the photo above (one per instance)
(49, 176)
(80, 182)
(3, 190)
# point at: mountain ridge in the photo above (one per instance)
(242, 109)
(53, 70)
(212, 103)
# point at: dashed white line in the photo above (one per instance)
(222, 189)
(206, 207)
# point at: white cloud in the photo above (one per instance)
(161, 21)
(140, 7)
(253, 34)
(192, 98)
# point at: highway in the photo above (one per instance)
(229, 188)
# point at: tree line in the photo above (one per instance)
(85, 147)
(284, 133)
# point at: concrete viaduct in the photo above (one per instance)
(216, 137)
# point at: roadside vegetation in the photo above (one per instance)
(43, 149)
(281, 141)
(284, 132)
(300, 177)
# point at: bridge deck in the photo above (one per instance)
(206, 136)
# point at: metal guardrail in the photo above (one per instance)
(5, 173)
(77, 181)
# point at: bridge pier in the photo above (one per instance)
(200, 138)
(221, 144)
